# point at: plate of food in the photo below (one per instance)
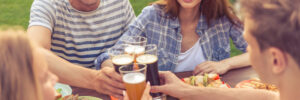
(76, 97)
(206, 80)
(63, 89)
(255, 83)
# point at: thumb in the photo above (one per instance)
(125, 96)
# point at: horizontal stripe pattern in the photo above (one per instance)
(80, 37)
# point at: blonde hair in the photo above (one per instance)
(18, 79)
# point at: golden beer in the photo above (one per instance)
(134, 78)
(135, 84)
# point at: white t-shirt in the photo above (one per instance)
(188, 60)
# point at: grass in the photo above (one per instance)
(15, 13)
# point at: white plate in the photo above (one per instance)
(66, 89)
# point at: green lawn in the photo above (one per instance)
(16, 13)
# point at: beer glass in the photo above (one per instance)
(150, 59)
(135, 45)
(134, 78)
(119, 57)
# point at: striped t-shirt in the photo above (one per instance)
(78, 36)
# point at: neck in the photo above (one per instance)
(79, 5)
(289, 85)
(189, 15)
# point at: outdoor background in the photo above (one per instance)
(15, 13)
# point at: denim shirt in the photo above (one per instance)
(160, 29)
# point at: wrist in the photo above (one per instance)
(92, 82)
(187, 92)
(228, 64)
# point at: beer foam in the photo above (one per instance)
(139, 50)
(135, 49)
(146, 59)
(122, 59)
(134, 78)
(129, 49)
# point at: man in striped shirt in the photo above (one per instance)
(77, 31)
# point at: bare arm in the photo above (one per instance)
(105, 81)
(229, 94)
(62, 68)
(238, 61)
(173, 86)
(223, 66)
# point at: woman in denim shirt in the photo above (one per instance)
(191, 35)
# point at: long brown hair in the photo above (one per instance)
(17, 75)
(211, 9)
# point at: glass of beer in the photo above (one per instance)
(119, 57)
(134, 78)
(135, 45)
(134, 40)
(150, 59)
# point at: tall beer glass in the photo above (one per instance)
(119, 57)
(134, 80)
(150, 59)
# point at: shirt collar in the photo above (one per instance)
(202, 24)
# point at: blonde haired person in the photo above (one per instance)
(23, 71)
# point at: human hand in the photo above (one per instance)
(109, 82)
(146, 95)
(211, 67)
(172, 85)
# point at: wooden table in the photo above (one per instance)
(232, 78)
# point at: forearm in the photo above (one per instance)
(69, 73)
(229, 94)
(238, 61)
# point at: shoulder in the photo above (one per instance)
(49, 4)
(43, 2)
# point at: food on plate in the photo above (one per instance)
(73, 97)
(76, 97)
(58, 94)
(206, 80)
(255, 83)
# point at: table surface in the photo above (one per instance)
(232, 77)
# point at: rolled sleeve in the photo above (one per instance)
(100, 59)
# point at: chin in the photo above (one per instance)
(189, 5)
